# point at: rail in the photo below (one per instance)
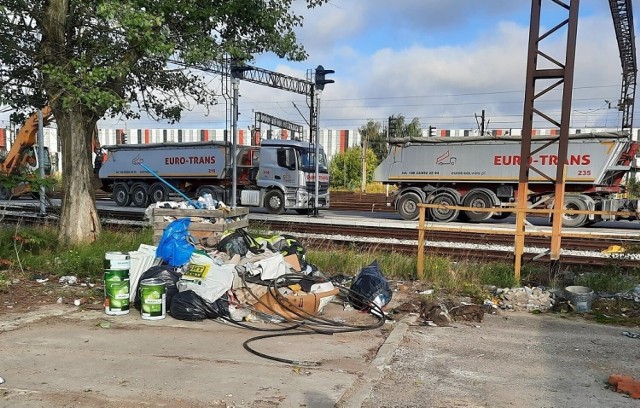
(422, 228)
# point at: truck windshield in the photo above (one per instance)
(307, 159)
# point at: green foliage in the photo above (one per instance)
(611, 282)
(468, 278)
(375, 138)
(346, 168)
(32, 181)
(40, 252)
(498, 274)
(633, 187)
(103, 56)
(404, 129)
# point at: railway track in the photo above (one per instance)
(457, 244)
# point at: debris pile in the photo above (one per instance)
(246, 279)
(445, 313)
(524, 299)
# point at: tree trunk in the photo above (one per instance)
(79, 221)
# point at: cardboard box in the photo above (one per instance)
(309, 304)
(294, 262)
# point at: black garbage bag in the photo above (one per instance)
(188, 305)
(238, 242)
(370, 286)
(165, 273)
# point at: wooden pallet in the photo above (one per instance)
(205, 225)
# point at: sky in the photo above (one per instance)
(443, 62)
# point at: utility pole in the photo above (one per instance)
(40, 144)
(235, 84)
(363, 186)
(481, 123)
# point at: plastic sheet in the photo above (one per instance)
(189, 306)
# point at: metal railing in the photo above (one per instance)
(422, 228)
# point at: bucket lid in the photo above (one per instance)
(152, 282)
(578, 289)
(116, 255)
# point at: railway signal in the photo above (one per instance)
(320, 79)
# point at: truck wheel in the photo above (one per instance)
(5, 193)
(477, 199)
(408, 206)
(158, 192)
(140, 195)
(574, 220)
(501, 215)
(274, 202)
(443, 214)
(217, 193)
(121, 195)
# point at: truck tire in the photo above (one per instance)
(574, 220)
(408, 206)
(501, 215)
(121, 195)
(140, 195)
(217, 193)
(443, 214)
(5, 193)
(158, 192)
(478, 198)
(274, 202)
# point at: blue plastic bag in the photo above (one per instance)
(174, 247)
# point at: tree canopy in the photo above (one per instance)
(88, 59)
(374, 134)
(346, 168)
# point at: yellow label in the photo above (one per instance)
(198, 271)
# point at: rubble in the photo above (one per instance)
(524, 299)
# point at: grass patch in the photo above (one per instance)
(37, 251)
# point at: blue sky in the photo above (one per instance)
(441, 61)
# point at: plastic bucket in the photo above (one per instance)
(117, 261)
(153, 299)
(581, 297)
(116, 292)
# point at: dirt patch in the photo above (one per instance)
(26, 294)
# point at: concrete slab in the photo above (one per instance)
(71, 360)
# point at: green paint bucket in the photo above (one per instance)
(153, 299)
(117, 261)
(116, 292)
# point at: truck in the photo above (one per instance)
(277, 175)
(24, 158)
(483, 172)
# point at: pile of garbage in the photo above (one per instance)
(252, 278)
(524, 299)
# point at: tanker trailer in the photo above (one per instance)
(277, 175)
(483, 172)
